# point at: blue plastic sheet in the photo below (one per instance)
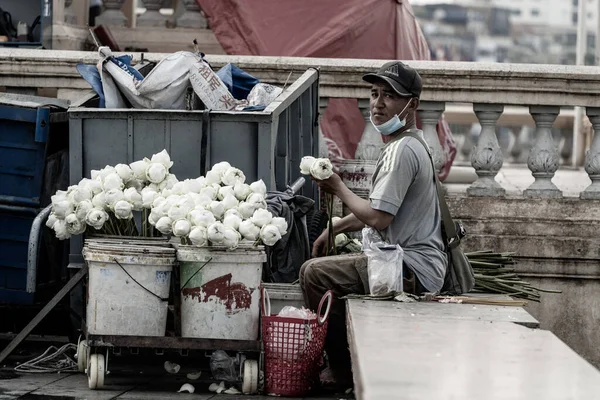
(239, 82)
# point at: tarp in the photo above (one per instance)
(367, 29)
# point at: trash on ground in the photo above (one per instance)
(186, 387)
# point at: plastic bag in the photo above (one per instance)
(238, 81)
(210, 88)
(384, 263)
(223, 367)
(262, 94)
(293, 312)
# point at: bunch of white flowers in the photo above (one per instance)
(106, 202)
(220, 209)
(318, 168)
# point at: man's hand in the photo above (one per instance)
(320, 245)
(331, 185)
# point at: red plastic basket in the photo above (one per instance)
(293, 349)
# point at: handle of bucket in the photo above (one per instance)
(266, 303)
(329, 298)
(140, 285)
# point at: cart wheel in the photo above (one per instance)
(82, 355)
(96, 371)
(250, 383)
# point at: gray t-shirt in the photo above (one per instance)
(403, 186)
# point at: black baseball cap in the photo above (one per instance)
(405, 80)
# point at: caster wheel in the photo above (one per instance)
(82, 355)
(95, 371)
(250, 382)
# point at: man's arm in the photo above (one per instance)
(362, 210)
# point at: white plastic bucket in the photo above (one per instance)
(220, 298)
(128, 288)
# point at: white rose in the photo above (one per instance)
(81, 193)
(199, 236)
(213, 177)
(134, 197)
(94, 185)
(224, 191)
(216, 233)
(340, 240)
(335, 219)
(231, 238)
(112, 197)
(162, 158)
(125, 172)
(202, 200)
(51, 220)
(154, 217)
(170, 181)
(241, 191)
(200, 182)
(194, 185)
(173, 199)
(95, 174)
(181, 187)
(74, 225)
(269, 234)
(281, 224)
(246, 209)
(305, 164)
(233, 211)
(62, 208)
(96, 218)
(261, 218)
(99, 200)
(257, 200)
(60, 229)
(166, 193)
(156, 173)
(203, 218)
(123, 209)
(104, 172)
(249, 230)
(209, 192)
(82, 209)
(232, 175)
(112, 181)
(165, 225)
(148, 197)
(221, 167)
(217, 208)
(181, 227)
(232, 221)
(178, 211)
(139, 169)
(59, 196)
(259, 187)
(136, 184)
(230, 202)
(322, 169)
(158, 200)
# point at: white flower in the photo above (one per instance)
(164, 225)
(62, 208)
(231, 238)
(305, 164)
(60, 229)
(194, 185)
(158, 201)
(134, 197)
(169, 181)
(249, 230)
(95, 174)
(199, 236)
(156, 173)
(173, 199)
(241, 191)
(269, 234)
(232, 221)
(148, 197)
(259, 187)
(82, 209)
(232, 175)
(281, 224)
(261, 218)
(217, 208)
(166, 193)
(74, 225)
(209, 192)
(221, 167)
(213, 177)
(96, 218)
(181, 187)
(246, 209)
(59, 196)
(99, 200)
(139, 168)
(257, 200)
(112, 181)
(81, 193)
(201, 218)
(162, 158)
(94, 185)
(335, 219)
(51, 220)
(202, 200)
(340, 240)
(230, 202)
(104, 172)
(224, 191)
(136, 184)
(154, 217)
(216, 233)
(322, 169)
(112, 197)
(123, 209)
(181, 227)
(125, 172)
(233, 211)
(178, 211)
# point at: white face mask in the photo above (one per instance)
(393, 125)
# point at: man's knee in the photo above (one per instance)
(310, 271)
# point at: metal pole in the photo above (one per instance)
(579, 60)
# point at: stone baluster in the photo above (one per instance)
(152, 16)
(592, 158)
(192, 17)
(112, 14)
(370, 143)
(543, 157)
(70, 15)
(430, 113)
(487, 157)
